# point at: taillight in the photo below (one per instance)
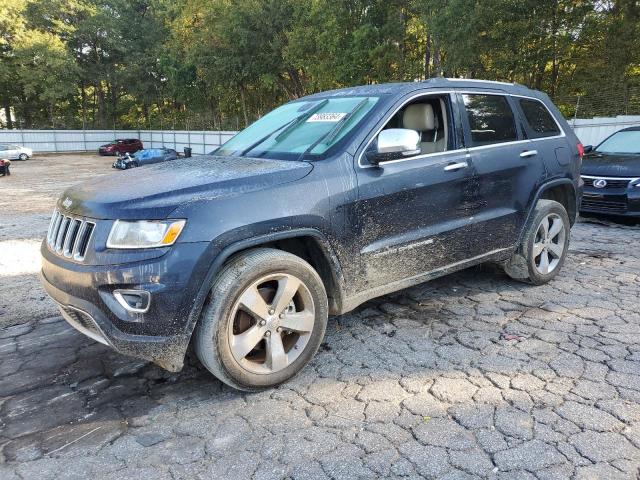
(580, 150)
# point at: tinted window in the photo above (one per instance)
(540, 121)
(490, 119)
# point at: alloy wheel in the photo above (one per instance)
(272, 321)
(549, 244)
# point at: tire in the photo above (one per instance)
(262, 278)
(23, 157)
(545, 238)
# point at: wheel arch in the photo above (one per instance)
(307, 243)
(563, 191)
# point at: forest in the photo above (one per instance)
(220, 64)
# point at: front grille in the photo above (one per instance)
(612, 183)
(605, 206)
(69, 236)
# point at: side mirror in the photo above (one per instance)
(393, 144)
(588, 149)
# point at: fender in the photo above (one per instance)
(255, 241)
(538, 194)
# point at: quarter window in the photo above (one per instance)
(491, 119)
(540, 121)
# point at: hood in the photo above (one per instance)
(611, 165)
(153, 191)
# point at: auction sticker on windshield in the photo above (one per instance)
(326, 117)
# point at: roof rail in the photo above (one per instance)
(479, 80)
(448, 79)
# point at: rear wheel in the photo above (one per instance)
(544, 246)
(266, 319)
(23, 156)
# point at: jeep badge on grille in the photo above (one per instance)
(67, 203)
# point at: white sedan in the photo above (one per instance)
(15, 152)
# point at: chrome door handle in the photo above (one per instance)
(529, 153)
(456, 166)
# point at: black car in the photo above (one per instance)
(611, 174)
(319, 206)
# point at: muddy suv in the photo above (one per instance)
(321, 205)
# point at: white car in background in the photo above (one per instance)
(15, 152)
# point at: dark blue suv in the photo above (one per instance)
(324, 203)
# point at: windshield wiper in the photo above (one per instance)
(287, 126)
(302, 118)
(328, 137)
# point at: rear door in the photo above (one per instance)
(548, 139)
(507, 168)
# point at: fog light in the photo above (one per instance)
(135, 301)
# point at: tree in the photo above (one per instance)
(223, 63)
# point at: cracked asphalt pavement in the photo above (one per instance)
(469, 376)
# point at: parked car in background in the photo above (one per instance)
(324, 203)
(611, 174)
(145, 157)
(15, 152)
(120, 146)
(4, 166)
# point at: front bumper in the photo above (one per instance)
(85, 295)
(621, 201)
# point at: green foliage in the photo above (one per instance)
(223, 63)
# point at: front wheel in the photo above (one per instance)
(23, 156)
(265, 320)
(544, 245)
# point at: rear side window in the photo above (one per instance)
(491, 119)
(541, 123)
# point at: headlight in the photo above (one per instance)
(144, 233)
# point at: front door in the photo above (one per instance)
(414, 216)
(414, 213)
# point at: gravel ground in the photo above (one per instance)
(28, 197)
(469, 376)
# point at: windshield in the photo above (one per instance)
(298, 129)
(621, 142)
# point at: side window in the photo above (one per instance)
(429, 117)
(541, 123)
(491, 119)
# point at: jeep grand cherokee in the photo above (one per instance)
(319, 206)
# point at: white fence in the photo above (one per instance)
(590, 132)
(89, 140)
